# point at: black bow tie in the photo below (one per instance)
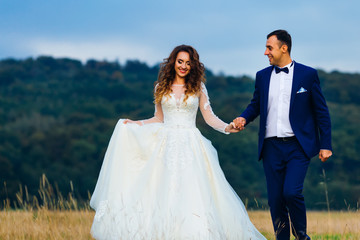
(285, 69)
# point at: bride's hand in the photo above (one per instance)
(231, 128)
(131, 121)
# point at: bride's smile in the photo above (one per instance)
(182, 65)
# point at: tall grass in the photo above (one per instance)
(44, 224)
(47, 215)
(326, 190)
(48, 197)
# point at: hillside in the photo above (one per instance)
(57, 116)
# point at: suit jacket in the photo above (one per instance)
(309, 114)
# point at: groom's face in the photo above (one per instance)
(274, 50)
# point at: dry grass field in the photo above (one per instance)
(45, 224)
(321, 225)
(56, 224)
(52, 216)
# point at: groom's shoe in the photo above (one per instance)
(303, 236)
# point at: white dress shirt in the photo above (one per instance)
(278, 123)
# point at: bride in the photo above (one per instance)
(160, 178)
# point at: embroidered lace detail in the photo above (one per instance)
(102, 209)
(138, 161)
(210, 118)
(205, 92)
(175, 112)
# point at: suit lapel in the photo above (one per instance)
(266, 85)
(296, 82)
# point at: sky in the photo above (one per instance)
(230, 36)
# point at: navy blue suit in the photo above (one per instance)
(286, 163)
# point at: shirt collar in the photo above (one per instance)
(290, 65)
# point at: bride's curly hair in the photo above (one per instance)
(167, 73)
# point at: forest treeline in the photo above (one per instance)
(57, 116)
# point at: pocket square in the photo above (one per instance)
(301, 90)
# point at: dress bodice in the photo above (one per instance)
(179, 113)
(175, 110)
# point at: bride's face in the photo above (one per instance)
(182, 64)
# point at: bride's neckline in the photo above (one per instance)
(178, 85)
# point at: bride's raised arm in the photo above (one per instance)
(210, 118)
(157, 118)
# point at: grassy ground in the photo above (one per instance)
(56, 224)
(45, 224)
(52, 216)
(321, 225)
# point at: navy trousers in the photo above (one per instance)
(285, 165)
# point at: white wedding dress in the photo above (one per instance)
(163, 181)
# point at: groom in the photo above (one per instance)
(294, 127)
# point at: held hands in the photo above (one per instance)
(324, 154)
(231, 128)
(239, 123)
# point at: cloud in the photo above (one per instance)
(105, 49)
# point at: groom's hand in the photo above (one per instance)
(239, 123)
(231, 128)
(324, 154)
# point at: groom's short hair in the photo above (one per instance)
(283, 36)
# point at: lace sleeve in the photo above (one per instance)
(210, 118)
(158, 116)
